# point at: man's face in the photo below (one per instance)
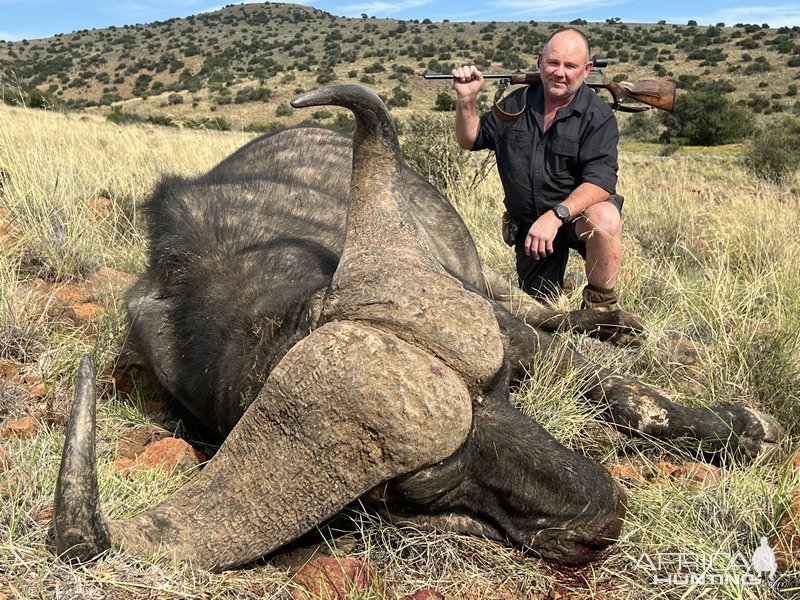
(564, 64)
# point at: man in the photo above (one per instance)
(558, 165)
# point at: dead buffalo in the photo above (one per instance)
(322, 309)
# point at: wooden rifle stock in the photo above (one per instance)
(656, 93)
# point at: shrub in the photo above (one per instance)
(120, 117)
(643, 126)
(772, 153)
(25, 95)
(400, 97)
(704, 118)
(325, 74)
(376, 67)
(251, 94)
(430, 148)
(445, 102)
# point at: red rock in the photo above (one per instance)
(9, 369)
(331, 577)
(135, 440)
(169, 454)
(786, 542)
(796, 464)
(27, 377)
(83, 313)
(107, 280)
(68, 293)
(21, 429)
(665, 470)
(699, 474)
(626, 471)
(101, 205)
(38, 390)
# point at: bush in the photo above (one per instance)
(400, 97)
(644, 127)
(430, 148)
(120, 117)
(704, 118)
(445, 102)
(26, 95)
(251, 94)
(772, 154)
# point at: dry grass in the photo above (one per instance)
(710, 258)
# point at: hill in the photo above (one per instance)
(239, 66)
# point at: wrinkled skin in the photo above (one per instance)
(338, 333)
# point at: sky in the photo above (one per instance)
(31, 19)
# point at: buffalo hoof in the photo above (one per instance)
(756, 434)
(736, 433)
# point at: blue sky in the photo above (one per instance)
(30, 19)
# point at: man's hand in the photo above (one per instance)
(467, 80)
(539, 241)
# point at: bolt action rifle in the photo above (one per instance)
(646, 94)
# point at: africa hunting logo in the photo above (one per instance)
(717, 568)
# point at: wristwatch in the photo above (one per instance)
(562, 212)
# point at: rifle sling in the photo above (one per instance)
(506, 116)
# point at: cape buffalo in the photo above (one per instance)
(321, 308)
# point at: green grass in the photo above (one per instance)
(709, 260)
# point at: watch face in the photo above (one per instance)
(562, 212)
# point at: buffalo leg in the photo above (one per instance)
(639, 409)
(617, 326)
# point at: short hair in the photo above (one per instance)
(576, 30)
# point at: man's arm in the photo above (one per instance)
(582, 197)
(467, 81)
(539, 241)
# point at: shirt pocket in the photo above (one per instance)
(517, 147)
(562, 161)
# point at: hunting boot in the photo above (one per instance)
(599, 298)
(605, 299)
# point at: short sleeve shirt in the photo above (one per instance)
(540, 169)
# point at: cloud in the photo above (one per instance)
(547, 10)
(777, 15)
(15, 37)
(379, 7)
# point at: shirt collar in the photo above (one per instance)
(578, 105)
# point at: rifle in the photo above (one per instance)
(648, 93)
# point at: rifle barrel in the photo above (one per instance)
(432, 75)
(597, 63)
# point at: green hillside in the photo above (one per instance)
(239, 66)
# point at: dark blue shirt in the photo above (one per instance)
(540, 169)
